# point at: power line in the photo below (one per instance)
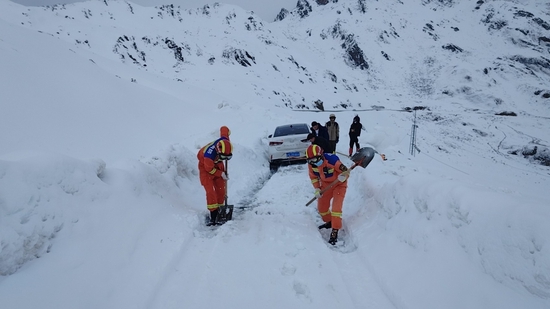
(444, 163)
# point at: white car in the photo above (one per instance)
(288, 144)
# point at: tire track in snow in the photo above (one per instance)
(248, 200)
(202, 235)
(171, 269)
(354, 268)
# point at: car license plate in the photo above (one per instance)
(292, 154)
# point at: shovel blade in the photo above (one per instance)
(226, 213)
(363, 157)
(229, 214)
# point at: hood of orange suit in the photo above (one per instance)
(225, 132)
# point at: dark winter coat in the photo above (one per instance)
(323, 143)
(323, 132)
(355, 128)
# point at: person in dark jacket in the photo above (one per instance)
(354, 133)
(319, 130)
(321, 142)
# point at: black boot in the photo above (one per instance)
(213, 217)
(326, 225)
(333, 237)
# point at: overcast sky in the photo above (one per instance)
(266, 9)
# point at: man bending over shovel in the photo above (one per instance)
(213, 174)
(329, 178)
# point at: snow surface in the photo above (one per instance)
(101, 206)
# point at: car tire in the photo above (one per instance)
(273, 167)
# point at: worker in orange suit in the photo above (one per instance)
(212, 173)
(324, 169)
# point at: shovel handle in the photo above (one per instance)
(226, 182)
(332, 184)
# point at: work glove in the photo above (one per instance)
(343, 168)
(383, 156)
(317, 193)
(342, 177)
(224, 176)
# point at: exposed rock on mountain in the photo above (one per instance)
(486, 52)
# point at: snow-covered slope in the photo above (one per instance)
(100, 203)
(342, 51)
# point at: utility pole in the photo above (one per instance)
(412, 146)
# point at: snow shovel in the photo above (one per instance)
(226, 211)
(383, 156)
(360, 158)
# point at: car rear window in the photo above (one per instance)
(291, 129)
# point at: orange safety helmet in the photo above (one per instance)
(224, 147)
(314, 151)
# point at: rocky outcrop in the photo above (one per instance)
(282, 14)
(127, 48)
(239, 56)
(175, 48)
(354, 55)
(303, 8)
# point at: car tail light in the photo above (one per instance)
(275, 143)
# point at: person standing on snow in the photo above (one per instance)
(212, 172)
(325, 168)
(323, 143)
(319, 130)
(354, 133)
(333, 132)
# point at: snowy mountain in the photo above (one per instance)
(342, 50)
(106, 103)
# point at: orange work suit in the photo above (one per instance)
(323, 175)
(210, 174)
